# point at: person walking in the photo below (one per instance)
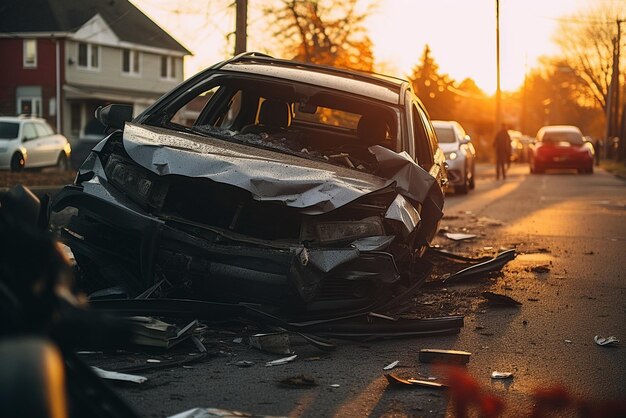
(502, 146)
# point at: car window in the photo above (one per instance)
(9, 130)
(328, 116)
(423, 145)
(43, 130)
(445, 134)
(563, 136)
(189, 113)
(227, 120)
(29, 132)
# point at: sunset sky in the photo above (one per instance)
(461, 33)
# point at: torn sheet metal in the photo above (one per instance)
(391, 365)
(377, 243)
(399, 381)
(402, 211)
(313, 186)
(281, 361)
(492, 265)
(496, 299)
(458, 236)
(120, 377)
(606, 341)
(217, 413)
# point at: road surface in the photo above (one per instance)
(572, 225)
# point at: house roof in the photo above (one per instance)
(128, 22)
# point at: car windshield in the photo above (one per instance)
(445, 134)
(573, 138)
(9, 130)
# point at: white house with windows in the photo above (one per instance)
(76, 55)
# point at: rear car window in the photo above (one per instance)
(563, 136)
(9, 130)
(445, 135)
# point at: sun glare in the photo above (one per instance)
(460, 33)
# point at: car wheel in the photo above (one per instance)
(62, 163)
(472, 183)
(17, 162)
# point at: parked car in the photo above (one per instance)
(460, 154)
(27, 142)
(561, 147)
(296, 185)
(519, 146)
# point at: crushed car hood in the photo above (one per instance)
(312, 186)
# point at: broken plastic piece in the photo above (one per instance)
(281, 361)
(496, 299)
(335, 385)
(398, 381)
(608, 341)
(121, 377)
(244, 363)
(501, 375)
(275, 343)
(459, 236)
(494, 264)
(428, 355)
(391, 365)
(216, 413)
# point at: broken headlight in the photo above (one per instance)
(326, 232)
(139, 184)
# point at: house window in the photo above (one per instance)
(30, 53)
(88, 56)
(130, 61)
(168, 67)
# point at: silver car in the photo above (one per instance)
(27, 142)
(460, 154)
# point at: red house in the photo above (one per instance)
(63, 59)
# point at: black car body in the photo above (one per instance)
(264, 180)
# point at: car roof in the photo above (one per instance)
(562, 128)
(19, 119)
(376, 86)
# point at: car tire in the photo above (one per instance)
(17, 162)
(472, 183)
(62, 163)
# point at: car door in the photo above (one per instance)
(30, 140)
(49, 144)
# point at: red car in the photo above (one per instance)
(561, 147)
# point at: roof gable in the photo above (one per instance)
(124, 20)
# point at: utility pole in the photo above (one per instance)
(498, 92)
(241, 26)
(613, 97)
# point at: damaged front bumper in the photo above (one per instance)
(117, 244)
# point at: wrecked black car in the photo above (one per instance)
(262, 180)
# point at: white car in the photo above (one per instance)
(27, 142)
(460, 154)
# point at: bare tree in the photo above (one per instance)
(587, 43)
(323, 32)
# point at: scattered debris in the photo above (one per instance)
(335, 385)
(281, 361)
(238, 340)
(501, 375)
(275, 343)
(532, 300)
(458, 236)
(543, 250)
(391, 365)
(491, 265)
(121, 377)
(298, 381)
(427, 355)
(608, 341)
(398, 381)
(487, 248)
(588, 253)
(217, 412)
(568, 341)
(153, 360)
(540, 269)
(244, 363)
(496, 299)
(155, 333)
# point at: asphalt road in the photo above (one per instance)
(573, 225)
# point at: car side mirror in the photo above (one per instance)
(114, 115)
(465, 140)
